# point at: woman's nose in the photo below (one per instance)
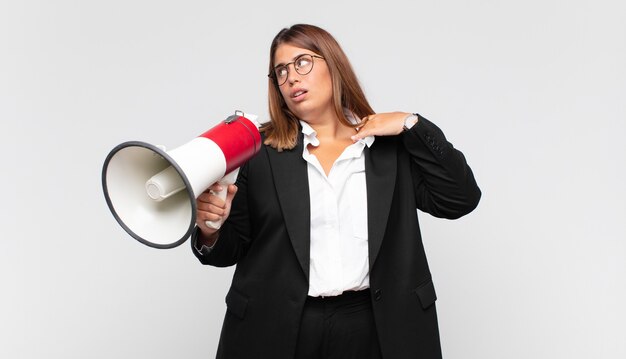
(293, 75)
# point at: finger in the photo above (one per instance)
(211, 208)
(210, 202)
(215, 187)
(210, 198)
(202, 217)
(365, 126)
(363, 132)
(368, 118)
(364, 122)
(204, 197)
(207, 216)
(232, 190)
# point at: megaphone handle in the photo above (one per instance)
(224, 182)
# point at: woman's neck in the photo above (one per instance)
(328, 126)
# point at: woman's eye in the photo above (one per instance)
(281, 71)
(303, 62)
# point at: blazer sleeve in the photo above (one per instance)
(234, 235)
(444, 184)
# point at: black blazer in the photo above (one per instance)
(267, 236)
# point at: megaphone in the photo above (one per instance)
(152, 192)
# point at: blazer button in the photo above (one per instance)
(377, 294)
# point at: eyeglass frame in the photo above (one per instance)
(273, 73)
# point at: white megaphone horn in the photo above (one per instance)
(152, 193)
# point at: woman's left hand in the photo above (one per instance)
(381, 124)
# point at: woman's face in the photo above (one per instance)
(308, 96)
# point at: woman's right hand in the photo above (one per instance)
(212, 208)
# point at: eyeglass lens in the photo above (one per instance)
(303, 64)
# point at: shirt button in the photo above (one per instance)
(377, 294)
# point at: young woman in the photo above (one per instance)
(322, 223)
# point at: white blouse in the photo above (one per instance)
(339, 250)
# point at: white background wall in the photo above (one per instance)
(533, 92)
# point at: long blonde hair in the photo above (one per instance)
(282, 132)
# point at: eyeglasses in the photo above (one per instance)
(303, 64)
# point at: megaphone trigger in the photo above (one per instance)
(224, 182)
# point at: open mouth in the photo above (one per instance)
(298, 94)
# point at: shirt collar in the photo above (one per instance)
(310, 135)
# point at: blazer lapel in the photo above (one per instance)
(292, 186)
(380, 176)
